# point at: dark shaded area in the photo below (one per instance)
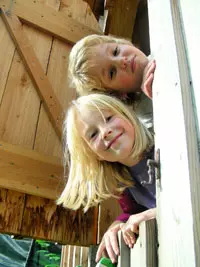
(140, 36)
(27, 252)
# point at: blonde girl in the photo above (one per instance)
(106, 141)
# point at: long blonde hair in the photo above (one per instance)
(80, 63)
(91, 180)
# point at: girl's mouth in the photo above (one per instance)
(132, 64)
(114, 140)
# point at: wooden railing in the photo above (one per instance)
(144, 253)
(73, 256)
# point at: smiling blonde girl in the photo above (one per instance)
(108, 148)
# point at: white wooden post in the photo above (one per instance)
(175, 42)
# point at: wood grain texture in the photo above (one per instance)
(84, 256)
(11, 211)
(44, 219)
(20, 104)
(19, 115)
(121, 18)
(109, 210)
(36, 72)
(144, 253)
(7, 48)
(51, 21)
(191, 34)
(176, 136)
(124, 257)
(29, 172)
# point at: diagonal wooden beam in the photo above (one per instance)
(35, 70)
(30, 172)
(56, 23)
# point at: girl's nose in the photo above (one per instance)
(122, 62)
(106, 134)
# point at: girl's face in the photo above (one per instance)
(119, 66)
(110, 136)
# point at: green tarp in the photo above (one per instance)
(14, 252)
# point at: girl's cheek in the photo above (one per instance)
(97, 144)
(116, 122)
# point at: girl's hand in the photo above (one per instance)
(109, 244)
(148, 77)
(130, 229)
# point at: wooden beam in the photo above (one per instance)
(178, 191)
(109, 210)
(124, 250)
(43, 219)
(35, 70)
(29, 172)
(144, 253)
(121, 17)
(58, 24)
(11, 211)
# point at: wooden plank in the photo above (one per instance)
(20, 107)
(20, 104)
(64, 251)
(51, 21)
(70, 256)
(46, 140)
(144, 253)
(7, 48)
(121, 18)
(178, 190)
(36, 71)
(84, 256)
(11, 211)
(30, 172)
(191, 31)
(76, 256)
(109, 210)
(80, 10)
(189, 113)
(124, 250)
(43, 219)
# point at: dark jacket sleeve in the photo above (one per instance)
(129, 206)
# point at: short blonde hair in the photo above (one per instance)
(80, 63)
(92, 180)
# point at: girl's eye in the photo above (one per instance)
(92, 135)
(108, 118)
(116, 51)
(112, 73)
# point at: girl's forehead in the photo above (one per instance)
(87, 113)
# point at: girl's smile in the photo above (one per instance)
(109, 135)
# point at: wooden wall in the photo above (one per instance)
(33, 62)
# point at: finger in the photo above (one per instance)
(110, 250)
(151, 68)
(129, 240)
(147, 88)
(114, 242)
(100, 251)
(135, 229)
